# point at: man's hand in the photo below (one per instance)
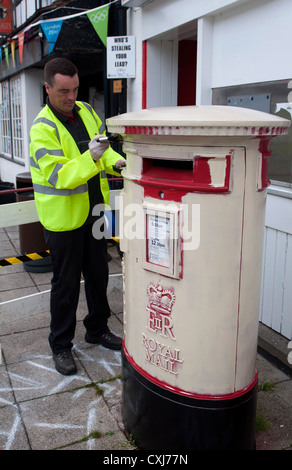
(97, 148)
(121, 163)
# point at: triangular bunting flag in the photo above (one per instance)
(13, 51)
(99, 20)
(20, 46)
(6, 54)
(26, 33)
(52, 30)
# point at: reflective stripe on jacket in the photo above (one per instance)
(60, 172)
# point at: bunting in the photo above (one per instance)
(13, 51)
(20, 46)
(6, 52)
(52, 30)
(99, 20)
(98, 17)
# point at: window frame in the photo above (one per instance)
(5, 121)
(12, 122)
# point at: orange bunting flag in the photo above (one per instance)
(13, 51)
(20, 46)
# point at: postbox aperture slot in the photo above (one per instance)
(168, 169)
(207, 173)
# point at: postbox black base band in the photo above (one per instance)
(159, 419)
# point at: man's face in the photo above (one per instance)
(63, 93)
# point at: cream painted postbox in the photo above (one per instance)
(192, 224)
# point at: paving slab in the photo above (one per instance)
(6, 394)
(13, 434)
(41, 409)
(57, 421)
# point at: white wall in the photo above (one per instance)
(134, 91)
(34, 80)
(160, 16)
(204, 60)
(251, 43)
(276, 295)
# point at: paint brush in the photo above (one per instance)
(104, 138)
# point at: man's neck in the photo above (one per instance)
(68, 115)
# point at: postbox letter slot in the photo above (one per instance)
(165, 169)
(201, 173)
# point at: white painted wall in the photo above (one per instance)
(34, 81)
(251, 43)
(160, 16)
(276, 295)
(134, 90)
(204, 60)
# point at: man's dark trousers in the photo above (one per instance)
(74, 253)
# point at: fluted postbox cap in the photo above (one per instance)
(198, 120)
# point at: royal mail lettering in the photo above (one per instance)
(160, 355)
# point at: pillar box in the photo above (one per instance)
(192, 225)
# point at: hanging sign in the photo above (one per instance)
(5, 16)
(121, 61)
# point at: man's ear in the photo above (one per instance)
(47, 87)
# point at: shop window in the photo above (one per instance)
(275, 98)
(280, 165)
(11, 120)
(25, 9)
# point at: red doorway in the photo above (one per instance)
(187, 63)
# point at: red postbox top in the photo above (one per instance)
(198, 120)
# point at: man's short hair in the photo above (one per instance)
(59, 65)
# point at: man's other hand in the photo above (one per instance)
(97, 148)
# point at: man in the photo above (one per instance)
(69, 179)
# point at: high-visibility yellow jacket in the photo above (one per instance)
(60, 172)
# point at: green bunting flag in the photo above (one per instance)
(6, 51)
(99, 20)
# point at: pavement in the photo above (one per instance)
(41, 409)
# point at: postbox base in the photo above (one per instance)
(160, 419)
